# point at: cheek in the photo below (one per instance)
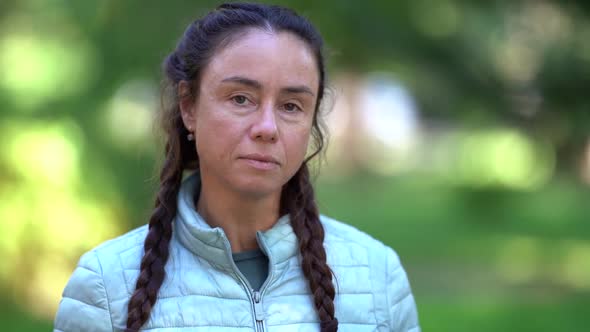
(216, 137)
(297, 144)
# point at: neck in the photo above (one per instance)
(238, 214)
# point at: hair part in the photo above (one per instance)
(200, 42)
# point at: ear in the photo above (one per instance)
(186, 102)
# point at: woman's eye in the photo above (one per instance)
(290, 107)
(240, 100)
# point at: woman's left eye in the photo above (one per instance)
(240, 100)
(291, 107)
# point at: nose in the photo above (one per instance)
(265, 124)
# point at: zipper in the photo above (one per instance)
(254, 296)
(258, 312)
(258, 307)
(255, 299)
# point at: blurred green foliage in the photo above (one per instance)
(497, 241)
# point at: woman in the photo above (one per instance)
(239, 245)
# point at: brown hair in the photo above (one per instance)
(198, 44)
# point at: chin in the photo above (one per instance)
(259, 188)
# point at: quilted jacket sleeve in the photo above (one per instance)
(403, 315)
(84, 305)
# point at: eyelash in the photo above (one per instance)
(297, 107)
(240, 96)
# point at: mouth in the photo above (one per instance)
(262, 162)
(261, 158)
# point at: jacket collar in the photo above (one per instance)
(279, 242)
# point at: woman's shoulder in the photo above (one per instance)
(363, 264)
(338, 231)
(347, 241)
(100, 271)
(117, 252)
(131, 241)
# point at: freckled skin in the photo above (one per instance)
(232, 119)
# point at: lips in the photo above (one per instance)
(261, 162)
(261, 158)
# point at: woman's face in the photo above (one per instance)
(253, 114)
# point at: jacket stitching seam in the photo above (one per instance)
(129, 292)
(282, 273)
(192, 326)
(242, 299)
(88, 304)
(389, 323)
(105, 291)
(372, 280)
(348, 240)
(294, 265)
(240, 326)
(87, 269)
(315, 322)
(307, 294)
(203, 295)
(402, 298)
(359, 243)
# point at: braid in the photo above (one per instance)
(156, 245)
(300, 203)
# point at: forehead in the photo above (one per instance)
(268, 57)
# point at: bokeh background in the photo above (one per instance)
(460, 136)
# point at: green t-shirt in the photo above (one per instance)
(254, 266)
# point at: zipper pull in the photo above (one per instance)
(258, 309)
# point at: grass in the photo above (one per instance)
(465, 251)
(16, 319)
(478, 260)
(523, 315)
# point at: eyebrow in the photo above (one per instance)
(258, 86)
